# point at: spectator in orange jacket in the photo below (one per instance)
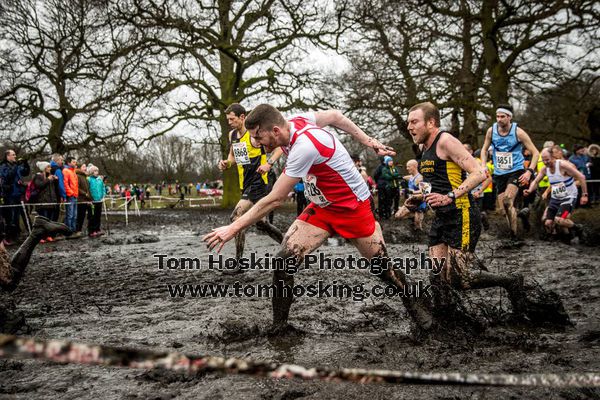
(72, 190)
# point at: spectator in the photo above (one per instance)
(45, 192)
(127, 195)
(381, 189)
(83, 199)
(301, 202)
(56, 168)
(72, 192)
(97, 191)
(392, 177)
(12, 172)
(582, 162)
(594, 187)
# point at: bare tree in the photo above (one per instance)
(63, 84)
(565, 113)
(466, 56)
(173, 156)
(214, 53)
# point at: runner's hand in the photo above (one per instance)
(526, 192)
(524, 178)
(413, 201)
(218, 237)
(583, 200)
(264, 168)
(437, 200)
(223, 165)
(380, 149)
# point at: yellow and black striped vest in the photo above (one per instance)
(443, 176)
(257, 156)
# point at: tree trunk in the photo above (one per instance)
(497, 70)
(231, 185)
(55, 134)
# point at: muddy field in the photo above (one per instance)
(100, 291)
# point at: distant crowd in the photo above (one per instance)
(79, 187)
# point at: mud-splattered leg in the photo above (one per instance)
(270, 230)
(373, 247)
(240, 239)
(12, 272)
(507, 200)
(460, 276)
(300, 239)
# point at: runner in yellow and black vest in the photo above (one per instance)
(253, 168)
(456, 226)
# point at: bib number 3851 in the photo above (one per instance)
(313, 193)
(504, 160)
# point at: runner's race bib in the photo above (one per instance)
(240, 152)
(313, 193)
(559, 191)
(425, 187)
(504, 160)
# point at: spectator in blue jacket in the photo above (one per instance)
(582, 162)
(56, 167)
(12, 172)
(97, 191)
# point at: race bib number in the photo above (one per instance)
(240, 152)
(504, 160)
(559, 191)
(425, 187)
(313, 193)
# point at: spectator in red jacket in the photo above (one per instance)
(72, 191)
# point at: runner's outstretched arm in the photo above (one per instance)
(534, 184)
(338, 120)
(219, 236)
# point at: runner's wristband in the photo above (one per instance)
(270, 162)
(531, 170)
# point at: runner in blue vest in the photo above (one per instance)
(507, 141)
(414, 204)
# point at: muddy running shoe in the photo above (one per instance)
(420, 311)
(517, 296)
(578, 230)
(235, 271)
(485, 221)
(524, 215)
(50, 227)
(284, 330)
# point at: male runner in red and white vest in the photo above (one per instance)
(340, 199)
